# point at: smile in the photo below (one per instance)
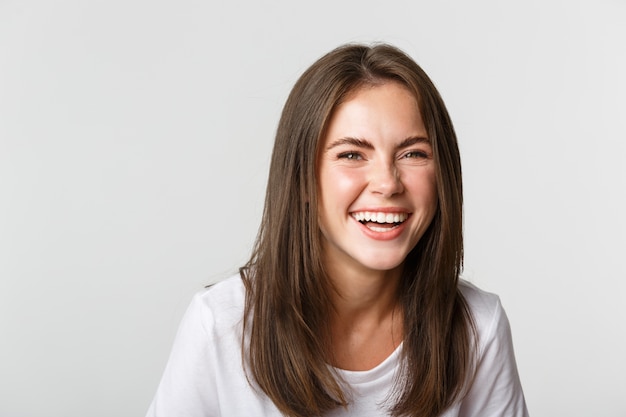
(379, 221)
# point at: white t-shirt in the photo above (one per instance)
(205, 377)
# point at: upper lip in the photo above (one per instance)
(381, 210)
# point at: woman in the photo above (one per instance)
(351, 304)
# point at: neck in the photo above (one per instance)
(364, 293)
(366, 323)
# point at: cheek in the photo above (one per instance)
(340, 185)
(423, 186)
(432, 191)
(346, 182)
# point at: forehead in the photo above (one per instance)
(369, 86)
(385, 110)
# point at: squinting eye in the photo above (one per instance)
(416, 154)
(349, 155)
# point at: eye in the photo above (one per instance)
(416, 154)
(352, 156)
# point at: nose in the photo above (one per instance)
(385, 179)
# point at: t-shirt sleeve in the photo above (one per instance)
(496, 390)
(187, 388)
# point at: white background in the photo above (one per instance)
(135, 139)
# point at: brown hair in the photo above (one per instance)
(287, 305)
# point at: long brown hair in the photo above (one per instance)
(287, 303)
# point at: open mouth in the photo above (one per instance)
(379, 221)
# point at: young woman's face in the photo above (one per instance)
(377, 187)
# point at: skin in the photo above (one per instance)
(375, 157)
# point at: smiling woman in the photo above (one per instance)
(351, 303)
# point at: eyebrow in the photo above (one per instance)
(363, 143)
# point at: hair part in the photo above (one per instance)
(287, 289)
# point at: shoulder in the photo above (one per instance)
(495, 389)
(205, 374)
(223, 295)
(482, 304)
(221, 305)
(489, 317)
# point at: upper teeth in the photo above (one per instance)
(378, 217)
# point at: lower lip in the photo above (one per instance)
(387, 235)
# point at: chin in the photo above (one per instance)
(382, 264)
